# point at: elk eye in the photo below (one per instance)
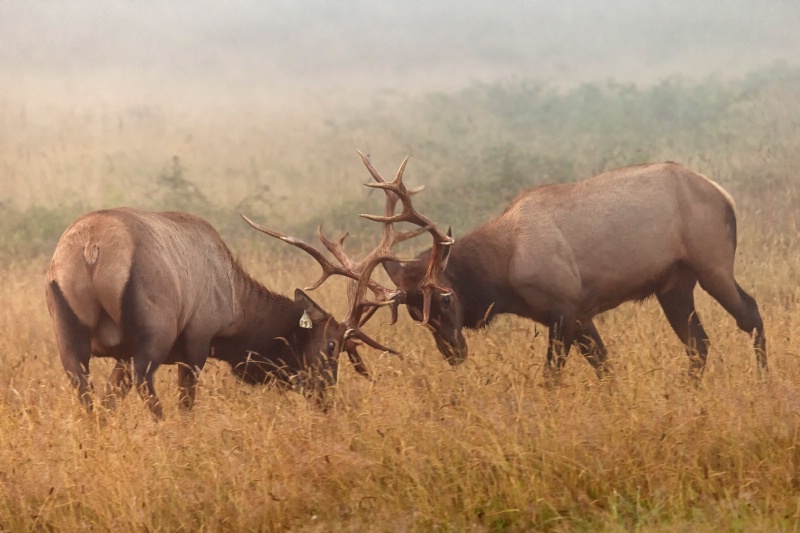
(331, 347)
(445, 300)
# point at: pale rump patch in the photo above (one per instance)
(725, 194)
(91, 265)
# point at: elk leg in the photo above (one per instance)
(150, 351)
(678, 306)
(751, 322)
(742, 307)
(143, 372)
(74, 343)
(77, 368)
(188, 372)
(591, 346)
(187, 385)
(560, 337)
(119, 383)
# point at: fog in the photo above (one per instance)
(98, 97)
(283, 51)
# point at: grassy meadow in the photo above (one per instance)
(479, 447)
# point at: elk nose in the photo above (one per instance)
(457, 356)
(454, 353)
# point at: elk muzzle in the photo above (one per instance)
(316, 385)
(453, 346)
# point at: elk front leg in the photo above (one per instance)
(678, 306)
(561, 334)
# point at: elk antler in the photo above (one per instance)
(360, 272)
(396, 190)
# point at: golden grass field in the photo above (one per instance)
(425, 447)
(483, 446)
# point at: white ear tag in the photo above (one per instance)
(305, 321)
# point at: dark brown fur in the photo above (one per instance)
(163, 288)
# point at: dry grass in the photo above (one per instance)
(479, 447)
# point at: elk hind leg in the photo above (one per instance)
(150, 352)
(151, 333)
(189, 371)
(678, 306)
(590, 344)
(143, 372)
(187, 385)
(119, 383)
(743, 307)
(74, 343)
(753, 324)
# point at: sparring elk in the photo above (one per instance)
(163, 288)
(561, 254)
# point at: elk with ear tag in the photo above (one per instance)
(150, 288)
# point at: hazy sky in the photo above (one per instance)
(84, 49)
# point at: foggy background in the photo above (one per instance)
(286, 51)
(240, 104)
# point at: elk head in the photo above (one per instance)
(360, 272)
(422, 284)
(321, 369)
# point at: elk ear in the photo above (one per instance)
(314, 311)
(393, 268)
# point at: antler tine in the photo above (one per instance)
(336, 248)
(430, 283)
(373, 171)
(396, 190)
(369, 341)
(408, 214)
(382, 252)
(328, 268)
(410, 234)
(391, 199)
(357, 291)
(360, 272)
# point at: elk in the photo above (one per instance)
(163, 288)
(562, 254)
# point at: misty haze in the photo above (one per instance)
(252, 95)
(97, 49)
(217, 108)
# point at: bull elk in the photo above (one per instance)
(163, 288)
(561, 254)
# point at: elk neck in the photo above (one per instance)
(266, 327)
(478, 273)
